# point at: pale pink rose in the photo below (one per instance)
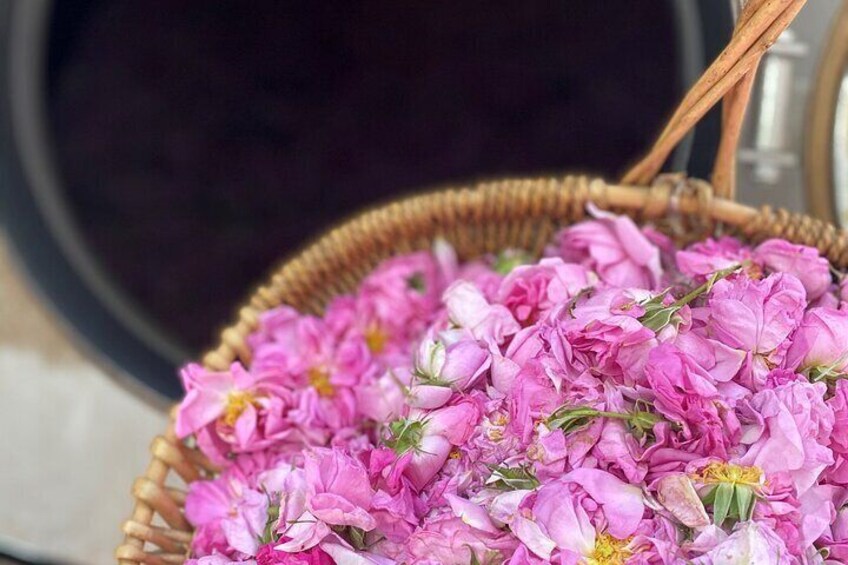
(383, 399)
(444, 429)
(453, 358)
(750, 543)
(565, 516)
(469, 309)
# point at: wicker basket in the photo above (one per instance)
(487, 217)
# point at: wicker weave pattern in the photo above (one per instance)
(488, 217)
(479, 219)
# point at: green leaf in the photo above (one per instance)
(721, 505)
(474, 560)
(744, 502)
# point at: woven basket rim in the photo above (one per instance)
(476, 218)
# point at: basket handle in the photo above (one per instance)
(731, 77)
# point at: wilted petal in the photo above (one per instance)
(532, 536)
(676, 493)
(472, 514)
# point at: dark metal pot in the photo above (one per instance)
(46, 233)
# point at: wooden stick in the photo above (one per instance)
(645, 171)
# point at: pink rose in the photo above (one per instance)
(749, 543)
(564, 515)
(340, 492)
(469, 309)
(267, 555)
(756, 317)
(452, 358)
(686, 394)
(447, 539)
(704, 258)
(838, 403)
(443, 429)
(803, 262)
(402, 294)
(791, 432)
(821, 341)
(530, 291)
(614, 247)
(228, 506)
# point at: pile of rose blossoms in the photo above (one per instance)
(617, 402)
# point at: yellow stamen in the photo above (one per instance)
(609, 551)
(375, 339)
(319, 379)
(495, 434)
(718, 472)
(237, 403)
(499, 419)
(455, 454)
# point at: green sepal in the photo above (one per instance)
(509, 259)
(405, 435)
(657, 315)
(721, 504)
(356, 537)
(744, 502)
(570, 419)
(268, 534)
(709, 497)
(417, 282)
(512, 478)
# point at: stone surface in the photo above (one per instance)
(71, 439)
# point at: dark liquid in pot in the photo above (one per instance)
(201, 142)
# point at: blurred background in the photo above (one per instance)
(158, 158)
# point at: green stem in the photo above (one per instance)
(619, 415)
(706, 287)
